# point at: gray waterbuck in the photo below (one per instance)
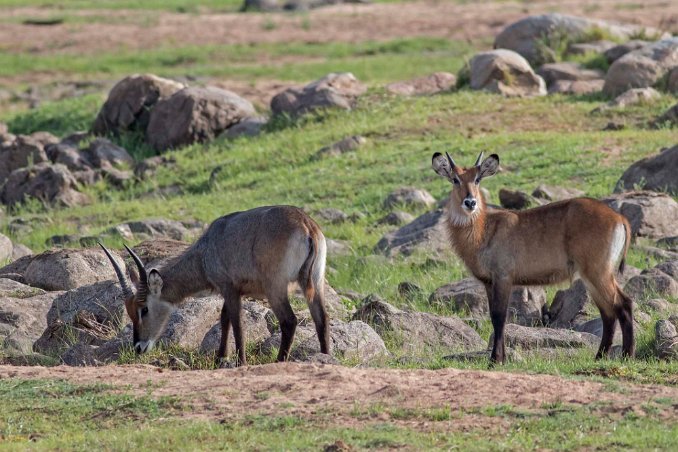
(543, 245)
(255, 253)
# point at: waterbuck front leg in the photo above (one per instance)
(231, 314)
(225, 328)
(498, 295)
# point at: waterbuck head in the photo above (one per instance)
(466, 200)
(146, 308)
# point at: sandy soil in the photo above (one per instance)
(308, 389)
(346, 23)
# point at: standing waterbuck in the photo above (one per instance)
(255, 253)
(544, 245)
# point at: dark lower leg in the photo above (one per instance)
(609, 322)
(624, 313)
(288, 325)
(225, 327)
(321, 321)
(498, 297)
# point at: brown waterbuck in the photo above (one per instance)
(544, 245)
(255, 253)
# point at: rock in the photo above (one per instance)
(16, 270)
(154, 253)
(670, 268)
(577, 87)
(194, 115)
(258, 323)
(69, 269)
(291, 5)
(669, 242)
(469, 295)
(61, 240)
(595, 327)
(50, 184)
(409, 290)
(338, 247)
(555, 193)
(417, 332)
(427, 85)
(6, 248)
(340, 90)
(101, 153)
(668, 118)
(568, 306)
(341, 147)
(530, 338)
(130, 102)
(23, 312)
(642, 68)
(426, 234)
(397, 218)
(79, 355)
(614, 53)
(409, 196)
(68, 155)
(355, 341)
(553, 72)
(633, 97)
(660, 306)
(666, 338)
(651, 283)
(248, 127)
(651, 214)
(505, 72)
(656, 172)
(24, 151)
(148, 167)
(90, 314)
(331, 215)
(530, 36)
(189, 324)
(19, 251)
(672, 80)
(157, 228)
(584, 48)
(515, 200)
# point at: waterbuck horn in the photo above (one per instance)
(126, 289)
(449, 159)
(143, 276)
(480, 159)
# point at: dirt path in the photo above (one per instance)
(341, 23)
(308, 389)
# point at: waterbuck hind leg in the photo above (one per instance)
(624, 311)
(225, 328)
(233, 309)
(321, 321)
(609, 323)
(280, 305)
(498, 295)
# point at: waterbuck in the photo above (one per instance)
(544, 245)
(255, 253)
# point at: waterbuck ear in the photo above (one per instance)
(154, 282)
(441, 165)
(489, 167)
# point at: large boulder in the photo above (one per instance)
(614, 53)
(427, 233)
(130, 101)
(568, 306)
(426, 85)
(50, 184)
(469, 295)
(643, 67)
(532, 36)
(68, 269)
(417, 332)
(657, 172)
(195, 115)
(666, 338)
(505, 72)
(338, 90)
(533, 338)
(651, 214)
(258, 322)
(188, 325)
(650, 283)
(23, 151)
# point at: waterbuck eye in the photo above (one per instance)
(455, 181)
(144, 311)
(477, 181)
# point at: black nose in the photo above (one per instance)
(470, 203)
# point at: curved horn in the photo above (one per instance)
(449, 159)
(480, 159)
(143, 276)
(126, 289)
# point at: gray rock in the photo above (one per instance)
(101, 153)
(650, 283)
(335, 90)
(595, 327)
(195, 115)
(555, 193)
(668, 118)
(248, 127)
(530, 338)
(409, 196)
(651, 214)
(552, 72)
(20, 153)
(129, 103)
(666, 338)
(157, 228)
(331, 215)
(188, 325)
(50, 184)
(670, 268)
(148, 167)
(23, 312)
(583, 48)
(6, 248)
(633, 96)
(515, 200)
(427, 85)
(409, 290)
(660, 306)
(568, 306)
(335, 307)
(469, 295)
(614, 53)
(397, 218)
(427, 234)
(338, 247)
(257, 320)
(505, 72)
(417, 332)
(348, 144)
(657, 173)
(643, 67)
(577, 87)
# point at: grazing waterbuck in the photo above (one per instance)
(544, 245)
(255, 253)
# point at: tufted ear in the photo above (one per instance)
(154, 282)
(442, 165)
(489, 167)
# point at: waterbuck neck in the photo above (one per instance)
(184, 276)
(467, 236)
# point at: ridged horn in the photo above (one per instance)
(479, 159)
(143, 276)
(449, 159)
(126, 289)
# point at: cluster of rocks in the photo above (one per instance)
(530, 42)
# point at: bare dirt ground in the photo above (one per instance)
(340, 23)
(306, 390)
